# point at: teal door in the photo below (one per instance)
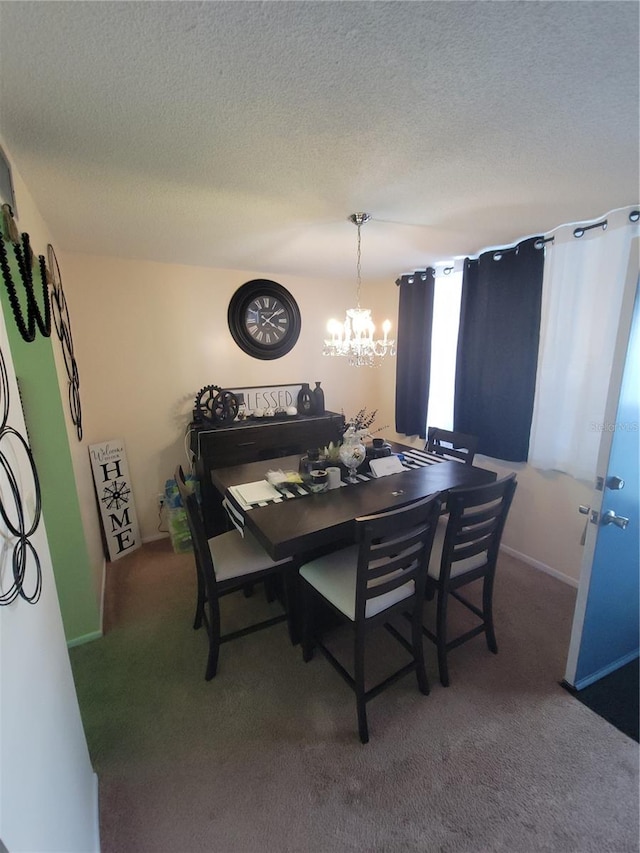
(608, 608)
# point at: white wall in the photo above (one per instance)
(149, 336)
(48, 791)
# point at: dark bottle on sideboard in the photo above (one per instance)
(305, 400)
(318, 400)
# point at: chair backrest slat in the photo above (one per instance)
(394, 548)
(389, 546)
(407, 558)
(477, 517)
(452, 445)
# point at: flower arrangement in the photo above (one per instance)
(361, 422)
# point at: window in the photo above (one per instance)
(444, 343)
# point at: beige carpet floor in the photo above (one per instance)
(266, 758)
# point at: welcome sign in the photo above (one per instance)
(115, 498)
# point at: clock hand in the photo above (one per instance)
(269, 319)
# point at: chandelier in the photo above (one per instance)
(355, 338)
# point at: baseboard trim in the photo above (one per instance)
(542, 567)
(85, 638)
(102, 591)
(606, 670)
(96, 820)
(155, 537)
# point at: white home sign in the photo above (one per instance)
(115, 498)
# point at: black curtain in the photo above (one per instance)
(413, 362)
(498, 349)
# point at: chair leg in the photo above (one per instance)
(248, 590)
(308, 626)
(441, 637)
(200, 601)
(289, 587)
(214, 641)
(270, 589)
(487, 610)
(418, 650)
(361, 703)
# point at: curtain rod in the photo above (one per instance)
(579, 231)
(634, 215)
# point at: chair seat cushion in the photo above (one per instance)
(457, 568)
(234, 555)
(334, 577)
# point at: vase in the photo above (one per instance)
(352, 453)
(318, 400)
(305, 400)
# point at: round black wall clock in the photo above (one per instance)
(264, 319)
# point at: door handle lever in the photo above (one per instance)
(610, 517)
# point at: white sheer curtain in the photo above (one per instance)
(444, 342)
(581, 303)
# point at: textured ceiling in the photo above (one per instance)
(243, 134)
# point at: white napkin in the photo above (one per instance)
(254, 493)
(386, 465)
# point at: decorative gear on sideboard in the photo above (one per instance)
(216, 406)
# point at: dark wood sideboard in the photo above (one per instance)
(251, 441)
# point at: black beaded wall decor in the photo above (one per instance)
(17, 525)
(21, 248)
(62, 322)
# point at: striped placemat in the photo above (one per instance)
(412, 459)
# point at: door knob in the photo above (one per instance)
(615, 483)
(610, 517)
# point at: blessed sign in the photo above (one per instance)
(115, 498)
(270, 397)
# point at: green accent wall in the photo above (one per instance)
(44, 416)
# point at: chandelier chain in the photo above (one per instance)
(358, 271)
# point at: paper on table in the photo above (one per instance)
(386, 465)
(254, 493)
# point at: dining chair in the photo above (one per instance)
(465, 549)
(365, 583)
(227, 563)
(451, 445)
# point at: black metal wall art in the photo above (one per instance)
(62, 323)
(24, 553)
(15, 250)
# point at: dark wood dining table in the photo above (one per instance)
(295, 527)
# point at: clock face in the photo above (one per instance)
(264, 319)
(267, 320)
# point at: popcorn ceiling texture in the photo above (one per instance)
(243, 134)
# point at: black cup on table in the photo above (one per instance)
(379, 449)
(318, 480)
